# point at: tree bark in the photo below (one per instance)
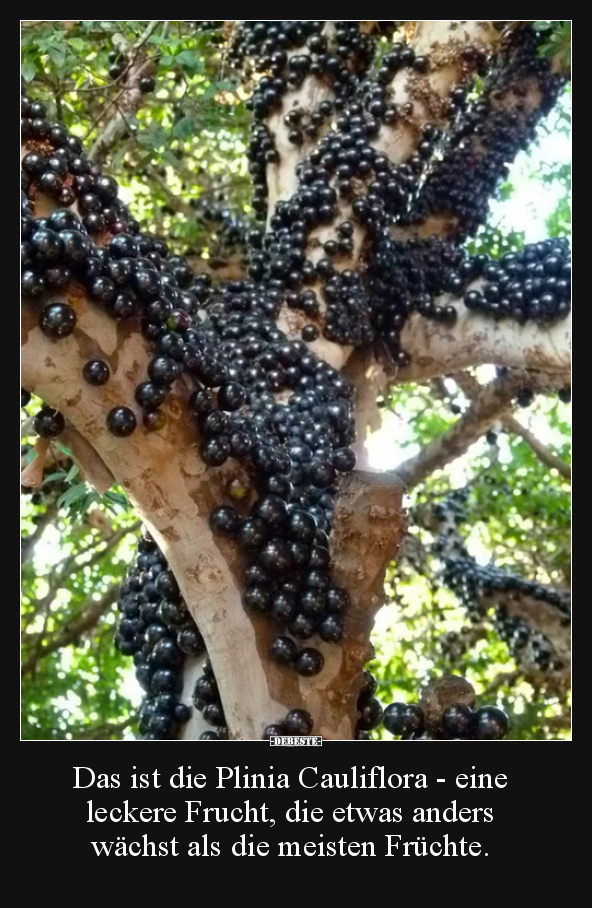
(474, 340)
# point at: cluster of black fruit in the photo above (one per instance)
(369, 708)
(339, 164)
(296, 449)
(206, 698)
(532, 284)
(267, 48)
(473, 584)
(458, 722)
(487, 133)
(156, 628)
(362, 306)
(408, 721)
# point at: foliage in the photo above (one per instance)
(556, 39)
(79, 689)
(518, 514)
(185, 148)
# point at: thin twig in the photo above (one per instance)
(134, 52)
(86, 619)
(542, 452)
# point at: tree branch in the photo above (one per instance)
(471, 388)
(128, 100)
(88, 617)
(542, 452)
(485, 409)
(444, 41)
(32, 474)
(436, 348)
(489, 404)
(61, 571)
(173, 492)
(541, 616)
(514, 93)
(101, 732)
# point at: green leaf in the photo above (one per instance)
(189, 61)
(73, 471)
(74, 493)
(184, 128)
(31, 455)
(226, 85)
(57, 56)
(28, 70)
(59, 474)
(117, 499)
(63, 449)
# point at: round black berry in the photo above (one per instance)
(49, 423)
(458, 721)
(403, 718)
(121, 421)
(231, 396)
(491, 724)
(224, 521)
(283, 650)
(190, 641)
(309, 662)
(298, 722)
(96, 372)
(57, 320)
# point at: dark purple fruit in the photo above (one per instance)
(121, 421)
(231, 396)
(57, 320)
(298, 722)
(458, 721)
(491, 724)
(224, 521)
(96, 372)
(49, 423)
(283, 650)
(403, 718)
(190, 641)
(369, 712)
(309, 662)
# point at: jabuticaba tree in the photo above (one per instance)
(233, 412)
